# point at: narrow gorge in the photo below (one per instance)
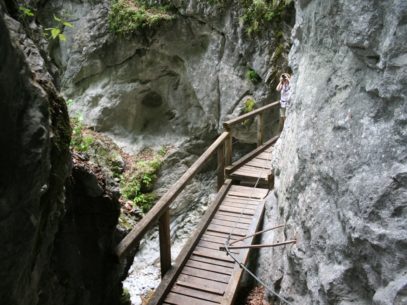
(105, 104)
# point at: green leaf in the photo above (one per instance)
(62, 37)
(68, 24)
(57, 19)
(55, 32)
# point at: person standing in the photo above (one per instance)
(285, 89)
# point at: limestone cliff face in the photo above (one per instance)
(342, 158)
(56, 235)
(162, 85)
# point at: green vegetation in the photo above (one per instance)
(248, 106)
(135, 175)
(25, 11)
(56, 32)
(258, 14)
(137, 183)
(129, 16)
(79, 141)
(125, 297)
(253, 76)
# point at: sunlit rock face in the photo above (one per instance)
(342, 158)
(162, 85)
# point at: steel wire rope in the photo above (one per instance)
(256, 233)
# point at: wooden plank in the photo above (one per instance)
(239, 200)
(175, 298)
(207, 245)
(196, 293)
(212, 261)
(260, 163)
(204, 283)
(225, 235)
(221, 213)
(232, 224)
(234, 210)
(240, 205)
(205, 274)
(214, 255)
(209, 267)
(132, 239)
(189, 284)
(250, 155)
(252, 174)
(228, 124)
(228, 217)
(213, 252)
(165, 242)
(248, 179)
(182, 258)
(265, 156)
(260, 193)
(230, 293)
(222, 229)
(254, 169)
(254, 201)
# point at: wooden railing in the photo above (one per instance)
(160, 211)
(260, 122)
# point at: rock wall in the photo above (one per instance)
(56, 235)
(342, 158)
(140, 88)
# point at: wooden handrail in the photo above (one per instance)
(131, 239)
(228, 124)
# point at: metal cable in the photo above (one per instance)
(255, 277)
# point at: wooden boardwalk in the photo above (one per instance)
(207, 276)
(258, 167)
(202, 273)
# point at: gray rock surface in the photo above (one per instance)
(161, 85)
(342, 190)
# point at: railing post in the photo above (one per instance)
(260, 129)
(165, 242)
(228, 153)
(221, 165)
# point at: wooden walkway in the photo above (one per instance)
(203, 274)
(209, 276)
(258, 167)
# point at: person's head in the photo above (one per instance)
(285, 77)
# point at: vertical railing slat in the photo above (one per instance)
(260, 129)
(221, 165)
(165, 242)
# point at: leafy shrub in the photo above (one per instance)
(253, 76)
(249, 105)
(25, 11)
(257, 14)
(56, 32)
(129, 16)
(136, 185)
(79, 141)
